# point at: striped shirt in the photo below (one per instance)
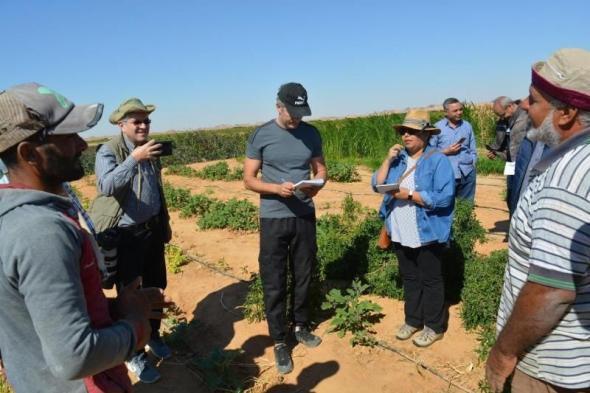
(550, 245)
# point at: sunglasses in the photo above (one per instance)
(403, 131)
(147, 122)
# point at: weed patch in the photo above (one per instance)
(343, 172)
(175, 258)
(234, 214)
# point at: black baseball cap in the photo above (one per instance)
(294, 96)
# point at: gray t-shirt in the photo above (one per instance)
(286, 156)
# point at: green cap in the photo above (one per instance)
(131, 105)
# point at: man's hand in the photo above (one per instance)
(498, 368)
(147, 151)
(285, 189)
(137, 305)
(453, 149)
(491, 155)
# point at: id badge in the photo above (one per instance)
(509, 168)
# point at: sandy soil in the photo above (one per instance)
(213, 300)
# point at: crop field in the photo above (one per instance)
(217, 330)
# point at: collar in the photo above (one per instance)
(560, 150)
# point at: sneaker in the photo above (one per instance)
(142, 368)
(283, 358)
(427, 337)
(405, 331)
(159, 348)
(303, 336)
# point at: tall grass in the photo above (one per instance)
(360, 139)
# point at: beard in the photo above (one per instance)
(545, 133)
(59, 168)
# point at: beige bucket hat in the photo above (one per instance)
(417, 119)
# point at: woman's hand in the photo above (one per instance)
(394, 151)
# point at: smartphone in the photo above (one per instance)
(166, 149)
(461, 140)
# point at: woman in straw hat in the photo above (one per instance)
(418, 214)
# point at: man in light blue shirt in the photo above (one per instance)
(457, 141)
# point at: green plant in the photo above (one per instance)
(254, 303)
(343, 171)
(238, 215)
(484, 277)
(217, 371)
(486, 336)
(175, 258)
(176, 198)
(4, 386)
(181, 170)
(485, 166)
(353, 314)
(196, 205)
(466, 230)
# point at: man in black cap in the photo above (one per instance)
(285, 149)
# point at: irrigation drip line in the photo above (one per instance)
(381, 344)
(421, 364)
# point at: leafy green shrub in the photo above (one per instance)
(181, 170)
(4, 386)
(485, 166)
(483, 286)
(176, 198)
(342, 171)
(254, 304)
(238, 215)
(217, 171)
(383, 274)
(486, 336)
(175, 258)
(196, 205)
(353, 314)
(467, 230)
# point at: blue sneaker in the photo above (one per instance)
(143, 369)
(159, 348)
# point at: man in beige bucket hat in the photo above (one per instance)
(544, 318)
(131, 203)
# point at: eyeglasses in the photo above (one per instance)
(409, 131)
(147, 122)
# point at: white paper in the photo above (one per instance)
(509, 168)
(385, 188)
(312, 183)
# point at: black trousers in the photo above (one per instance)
(141, 253)
(424, 291)
(286, 244)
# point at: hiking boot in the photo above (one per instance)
(283, 358)
(159, 348)
(405, 331)
(143, 369)
(427, 337)
(303, 336)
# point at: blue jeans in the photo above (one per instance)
(465, 186)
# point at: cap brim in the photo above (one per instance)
(80, 118)
(298, 111)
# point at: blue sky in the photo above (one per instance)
(206, 63)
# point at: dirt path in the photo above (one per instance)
(213, 300)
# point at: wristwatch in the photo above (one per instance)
(410, 195)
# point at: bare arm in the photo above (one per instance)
(253, 183)
(318, 167)
(537, 310)
(392, 154)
